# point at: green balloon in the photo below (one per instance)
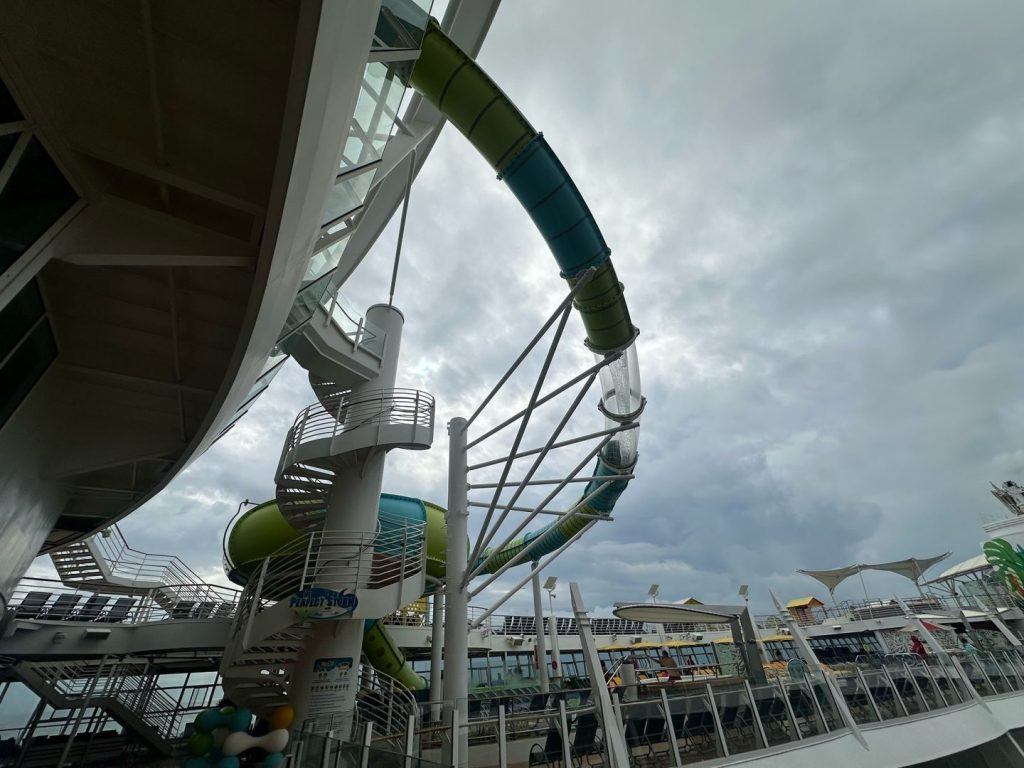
(200, 743)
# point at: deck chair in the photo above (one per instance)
(635, 729)
(61, 607)
(183, 609)
(223, 610)
(205, 610)
(698, 729)
(32, 605)
(656, 738)
(119, 610)
(551, 752)
(584, 741)
(92, 609)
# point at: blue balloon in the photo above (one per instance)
(273, 760)
(238, 720)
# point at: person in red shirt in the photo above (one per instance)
(916, 646)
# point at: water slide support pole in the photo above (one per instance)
(538, 618)
(615, 743)
(436, 647)
(456, 626)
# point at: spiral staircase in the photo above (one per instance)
(385, 566)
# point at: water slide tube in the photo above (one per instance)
(469, 99)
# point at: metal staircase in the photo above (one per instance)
(337, 345)
(339, 431)
(385, 566)
(106, 563)
(124, 689)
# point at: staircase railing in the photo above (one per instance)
(381, 701)
(127, 683)
(353, 560)
(385, 702)
(128, 563)
(346, 412)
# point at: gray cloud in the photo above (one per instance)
(816, 211)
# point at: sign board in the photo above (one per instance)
(321, 603)
(331, 686)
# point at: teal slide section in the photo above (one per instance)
(526, 163)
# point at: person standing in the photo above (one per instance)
(916, 646)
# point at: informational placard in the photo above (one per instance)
(332, 683)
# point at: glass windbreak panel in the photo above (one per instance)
(346, 196)
(304, 305)
(24, 367)
(35, 196)
(349, 321)
(274, 363)
(380, 97)
(401, 24)
(326, 260)
(802, 705)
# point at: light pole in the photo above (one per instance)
(549, 585)
(653, 594)
(744, 592)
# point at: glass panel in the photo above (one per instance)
(694, 726)
(803, 708)
(18, 317)
(857, 699)
(9, 112)
(379, 100)
(7, 143)
(346, 197)
(325, 260)
(401, 23)
(903, 682)
(883, 694)
(737, 719)
(35, 196)
(24, 368)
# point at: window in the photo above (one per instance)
(35, 196)
(27, 348)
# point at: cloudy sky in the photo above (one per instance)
(816, 210)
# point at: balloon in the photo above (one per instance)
(200, 743)
(281, 717)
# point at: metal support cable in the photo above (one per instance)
(530, 406)
(401, 226)
(581, 281)
(486, 535)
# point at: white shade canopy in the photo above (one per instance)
(912, 568)
(668, 613)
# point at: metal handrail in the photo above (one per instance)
(384, 701)
(349, 559)
(346, 412)
(202, 601)
(128, 682)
